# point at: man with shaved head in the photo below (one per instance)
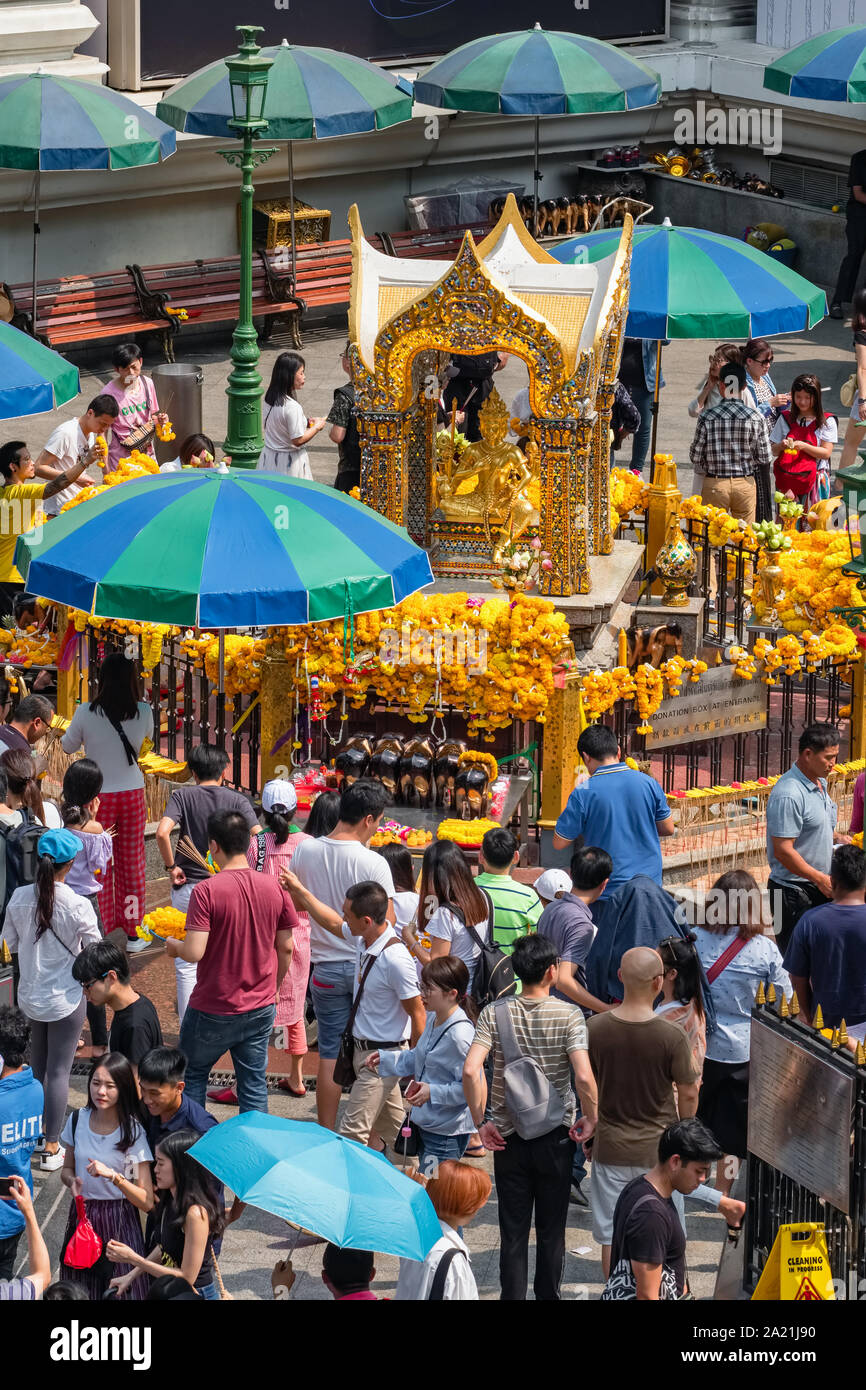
(637, 1058)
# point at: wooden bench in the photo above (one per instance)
(324, 270)
(209, 290)
(92, 308)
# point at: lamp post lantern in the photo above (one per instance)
(248, 78)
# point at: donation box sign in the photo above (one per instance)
(719, 703)
(178, 39)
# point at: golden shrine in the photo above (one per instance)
(566, 322)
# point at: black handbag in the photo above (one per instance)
(407, 1144)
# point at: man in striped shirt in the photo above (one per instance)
(516, 906)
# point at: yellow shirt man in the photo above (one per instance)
(20, 510)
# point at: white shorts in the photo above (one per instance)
(607, 1181)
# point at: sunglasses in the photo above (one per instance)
(762, 361)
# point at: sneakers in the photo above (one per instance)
(577, 1195)
(49, 1163)
(836, 311)
(136, 944)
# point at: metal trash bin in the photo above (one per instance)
(178, 391)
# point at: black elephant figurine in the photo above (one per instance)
(416, 773)
(353, 759)
(471, 797)
(445, 765)
(385, 762)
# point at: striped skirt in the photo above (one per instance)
(111, 1220)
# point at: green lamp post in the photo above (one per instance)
(248, 79)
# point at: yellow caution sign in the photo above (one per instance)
(798, 1269)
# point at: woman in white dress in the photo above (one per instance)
(287, 429)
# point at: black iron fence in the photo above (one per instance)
(791, 705)
(186, 707)
(775, 1199)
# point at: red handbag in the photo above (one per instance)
(85, 1246)
(795, 471)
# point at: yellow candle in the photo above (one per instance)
(622, 648)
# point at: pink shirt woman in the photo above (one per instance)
(135, 394)
(269, 856)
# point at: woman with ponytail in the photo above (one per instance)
(270, 851)
(48, 925)
(113, 730)
(79, 807)
(23, 794)
(435, 1063)
(682, 996)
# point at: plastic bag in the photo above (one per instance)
(85, 1246)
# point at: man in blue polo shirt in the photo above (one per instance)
(619, 810)
(161, 1075)
(801, 832)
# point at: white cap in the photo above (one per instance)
(281, 793)
(551, 882)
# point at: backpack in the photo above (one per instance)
(494, 973)
(21, 856)
(532, 1101)
(796, 472)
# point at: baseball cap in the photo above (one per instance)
(59, 845)
(551, 882)
(279, 792)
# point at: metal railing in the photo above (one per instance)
(775, 1199)
(186, 708)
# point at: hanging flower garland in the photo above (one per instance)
(650, 692)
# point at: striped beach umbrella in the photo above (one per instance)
(50, 123)
(690, 283)
(226, 548)
(829, 67)
(312, 94)
(33, 378)
(538, 72)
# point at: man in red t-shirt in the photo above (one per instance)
(239, 927)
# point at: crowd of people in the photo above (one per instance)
(571, 1022)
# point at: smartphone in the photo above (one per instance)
(5, 1187)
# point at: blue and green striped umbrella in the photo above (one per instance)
(313, 94)
(690, 283)
(830, 67)
(49, 122)
(218, 549)
(33, 378)
(538, 72)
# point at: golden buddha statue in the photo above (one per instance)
(502, 472)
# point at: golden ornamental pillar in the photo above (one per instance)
(383, 475)
(564, 521)
(277, 715)
(560, 760)
(662, 506)
(67, 681)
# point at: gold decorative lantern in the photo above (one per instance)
(676, 564)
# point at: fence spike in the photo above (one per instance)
(835, 1041)
(861, 1055)
(760, 997)
(795, 1005)
(843, 1033)
(818, 1019)
(784, 1011)
(771, 993)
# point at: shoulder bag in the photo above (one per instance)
(344, 1067)
(726, 957)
